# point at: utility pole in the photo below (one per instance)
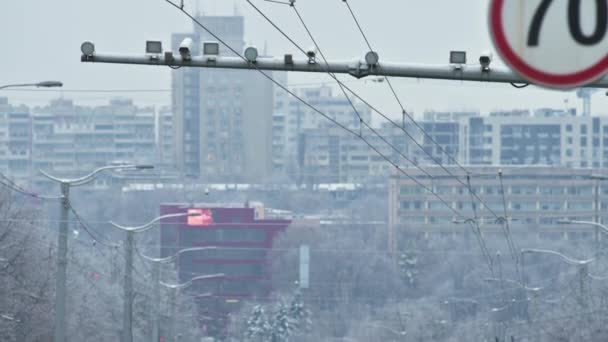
(60, 329)
(127, 323)
(156, 297)
(583, 274)
(174, 296)
(127, 318)
(596, 217)
(62, 263)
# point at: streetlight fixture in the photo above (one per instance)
(598, 227)
(128, 281)
(65, 183)
(156, 281)
(583, 266)
(43, 84)
(587, 223)
(177, 288)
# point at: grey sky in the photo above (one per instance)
(41, 40)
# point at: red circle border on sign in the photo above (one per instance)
(537, 76)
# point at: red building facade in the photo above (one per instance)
(242, 244)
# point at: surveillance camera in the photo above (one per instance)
(206, 191)
(185, 49)
(485, 59)
(312, 55)
(311, 52)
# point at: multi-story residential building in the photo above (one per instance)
(536, 198)
(296, 126)
(545, 138)
(222, 118)
(333, 155)
(70, 139)
(15, 140)
(279, 127)
(66, 139)
(165, 138)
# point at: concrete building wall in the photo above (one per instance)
(223, 118)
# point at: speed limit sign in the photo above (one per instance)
(556, 43)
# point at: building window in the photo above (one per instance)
(523, 190)
(551, 205)
(580, 205)
(583, 129)
(524, 206)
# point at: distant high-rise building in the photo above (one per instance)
(165, 138)
(222, 118)
(70, 139)
(15, 140)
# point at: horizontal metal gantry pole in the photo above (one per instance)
(355, 68)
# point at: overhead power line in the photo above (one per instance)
(413, 139)
(266, 75)
(404, 111)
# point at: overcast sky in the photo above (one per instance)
(41, 40)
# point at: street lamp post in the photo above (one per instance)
(598, 178)
(128, 281)
(43, 84)
(156, 282)
(62, 244)
(174, 295)
(583, 266)
(598, 227)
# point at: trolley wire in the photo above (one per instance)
(270, 78)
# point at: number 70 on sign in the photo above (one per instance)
(556, 43)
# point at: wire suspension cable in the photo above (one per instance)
(84, 225)
(270, 78)
(361, 121)
(376, 110)
(507, 230)
(343, 86)
(477, 230)
(404, 111)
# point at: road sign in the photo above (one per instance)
(556, 43)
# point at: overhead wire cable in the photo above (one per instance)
(507, 230)
(477, 229)
(84, 225)
(404, 111)
(266, 75)
(379, 112)
(361, 121)
(343, 86)
(16, 187)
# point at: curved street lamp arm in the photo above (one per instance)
(87, 178)
(53, 178)
(189, 282)
(596, 277)
(18, 85)
(562, 256)
(591, 223)
(147, 226)
(45, 84)
(515, 282)
(174, 256)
